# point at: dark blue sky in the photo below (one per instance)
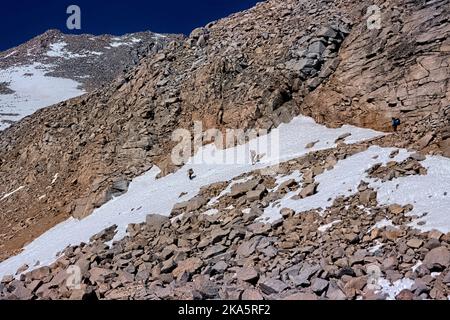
(21, 20)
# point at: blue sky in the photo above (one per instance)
(21, 20)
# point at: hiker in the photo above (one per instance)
(255, 158)
(191, 174)
(395, 123)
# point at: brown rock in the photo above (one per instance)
(301, 296)
(196, 203)
(155, 221)
(98, 275)
(309, 190)
(206, 287)
(190, 265)
(22, 293)
(396, 209)
(252, 294)
(318, 285)
(367, 196)
(405, 294)
(425, 140)
(213, 251)
(437, 259)
(414, 243)
(247, 274)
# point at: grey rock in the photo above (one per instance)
(213, 251)
(319, 285)
(271, 286)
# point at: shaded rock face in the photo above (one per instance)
(254, 69)
(400, 70)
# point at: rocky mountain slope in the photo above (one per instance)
(255, 69)
(242, 239)
(54, 67)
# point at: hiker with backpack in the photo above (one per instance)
(395, 123)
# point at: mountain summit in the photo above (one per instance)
(54, 67)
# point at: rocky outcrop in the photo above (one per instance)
(399, 70)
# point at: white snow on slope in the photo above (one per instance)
(124, 41)
(429, 194)
(7, 195)
(342, 180)
(381, 224)
(148, 195)
(33, 90)
(378, 245)
(393, 289)
(58, 50)
(10, 54)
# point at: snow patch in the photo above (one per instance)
(11, 193)
(327, 226)
(33, 90)
(342, 181)
(211, 212)
(382, 224)
(123, 41)
(393, 289)
(58, 50)
(429, 194)
(418, 264)
(376, 247)
(10, 54)
(55, 177)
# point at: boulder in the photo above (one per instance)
(156, 221)
(437, 259)
(271, 286)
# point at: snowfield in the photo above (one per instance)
(124, 41)
(146, 195)
(343, 180)
(429, 194)
(58, 50)
(33, 90)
